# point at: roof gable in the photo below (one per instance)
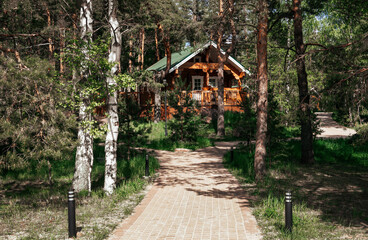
(176, 58)
(179, 58)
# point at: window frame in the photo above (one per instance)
(193, 81)
(216, 81)
(236, 81)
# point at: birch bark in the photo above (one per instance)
(84, 154)
(112, 101)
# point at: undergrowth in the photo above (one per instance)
(158, 140)
(329, 198)
(30, 208)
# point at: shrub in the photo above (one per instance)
(361, 137)
(187, 122)
(34, 129)
(244, 124)
(131, 130)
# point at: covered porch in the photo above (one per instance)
(207, 98)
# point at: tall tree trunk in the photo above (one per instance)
(142, 47)
(112, 102)
(139, 52)
(84, 154)
(156, 44)
(51, 47)
(222, 58)
(166, 41)
(130, 68)
(220, 99)
(168, 56)
(262, 102)
(304, 97)
(195, 11)
(142, 37)
(62, 45)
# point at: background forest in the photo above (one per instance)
(58, 71)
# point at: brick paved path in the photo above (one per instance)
(195, 197)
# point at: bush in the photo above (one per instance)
(361, 137)
(132, 130)
(34, 129)
(187, 124)
(244, 123)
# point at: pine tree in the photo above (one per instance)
(226, 19)
(262, 102)
(304, 96)
(35, 131)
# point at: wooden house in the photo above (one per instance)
(198, 68)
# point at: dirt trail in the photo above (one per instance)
(330, 128)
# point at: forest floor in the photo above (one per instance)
(336, 195)
(30, 208)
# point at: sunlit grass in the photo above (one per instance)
(158, 140)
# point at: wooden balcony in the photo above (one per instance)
(232, 97)
(205, 98)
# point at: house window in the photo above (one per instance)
(234, 83)
(197, 83)
(213, 82)
(197, 59)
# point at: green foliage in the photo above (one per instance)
(124, 81)
(245, 125)
(158, 140)
(128, 171)
(34, 130)
(132, 130)
(339, 164)
(42, 207)
(186, 124)
(361, 137)
(90, 59)
(242, 164)
(274, 118)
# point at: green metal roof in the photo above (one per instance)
(178, 58)
(175, 59)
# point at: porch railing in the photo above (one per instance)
(205, 98)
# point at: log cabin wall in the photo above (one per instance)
(203, 64)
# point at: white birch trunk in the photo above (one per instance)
(157, 110)
(84, 154)
(112, 101)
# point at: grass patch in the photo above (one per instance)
(32, 209)
(158, 140)
(329, 198)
